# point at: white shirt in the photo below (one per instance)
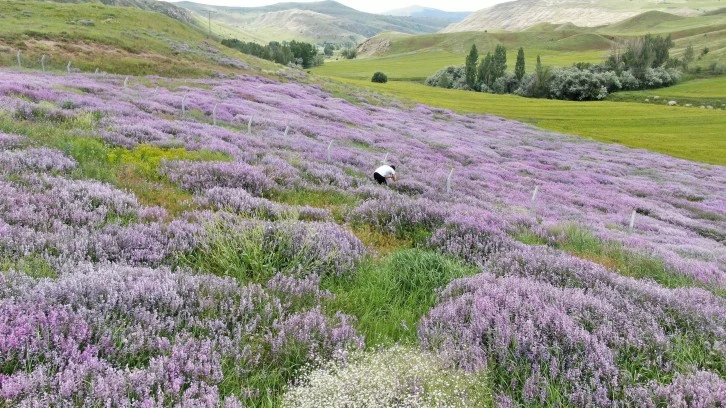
(386, 171)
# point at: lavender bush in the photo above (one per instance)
(171, 336)
(568, 325)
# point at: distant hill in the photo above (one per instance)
(644, 21)
(419, 11)
(558, 44)
(316, 22)
(521, 14)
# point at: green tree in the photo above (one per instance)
(470, 67)
(349, 53)
(499, 62)
(328, 50)
(646, 52)
(688, 55)
(444, 81)
(543, 75)
(303, 51)
(660, 46)
(519, 67)
(379, 77)
(484, 74)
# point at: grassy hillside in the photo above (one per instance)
(644, 21)
(220, 241)
(664, 129)
(122, 40)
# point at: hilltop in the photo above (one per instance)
(521, 14)
(315, 22)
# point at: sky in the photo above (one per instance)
(371, 6)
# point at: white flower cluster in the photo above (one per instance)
(394, 377)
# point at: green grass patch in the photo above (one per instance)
(697, 92)
(335, 201)
(419, 65)
(32, 265)
(389, 296)
(663, 129)
(238, 254)
(383, 243)
(255, 252)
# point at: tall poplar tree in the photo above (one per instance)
(484, 76)
(470, 67)
(519, 67)
(499, 62)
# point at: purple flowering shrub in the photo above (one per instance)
(241, 202)
(8, 142)
(197, 176)
(80, 220)
(547, 322)
(36, 159)
(399, 215)
(470, 235)
(120, 335)
(700, 389)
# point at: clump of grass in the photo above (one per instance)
(390, 296)
(332, 200)
(146, 158)
(32, 265)
(383, 243)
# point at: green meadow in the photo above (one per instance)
(420, 65)
(688, 133)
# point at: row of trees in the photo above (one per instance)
(491, 68)
(635, 64)
(302, 54)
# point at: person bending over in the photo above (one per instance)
(385, 172)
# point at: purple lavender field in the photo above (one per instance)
(185, 242)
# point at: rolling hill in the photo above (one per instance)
(315, 22)
(559, 44)
(520, 14)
